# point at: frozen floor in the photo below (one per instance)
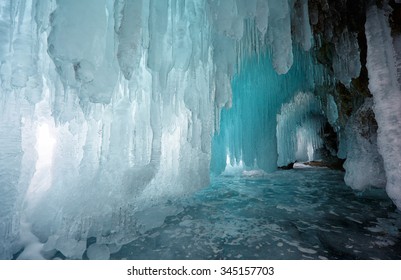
(290, 214)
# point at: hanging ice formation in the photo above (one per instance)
(108, 106)
(384, 57)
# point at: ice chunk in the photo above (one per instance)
(69, 247)
(364, 165)
(32, 246)
(113, 248)
(98, 252)
(332, 111)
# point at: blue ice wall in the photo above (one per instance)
(248, 129)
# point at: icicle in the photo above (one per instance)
(386, 90)
(346, 61)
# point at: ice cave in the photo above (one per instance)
(200, 129)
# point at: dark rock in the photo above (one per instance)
(287, 167)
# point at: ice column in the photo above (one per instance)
(386, 90)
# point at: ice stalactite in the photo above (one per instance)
(300, 25)
(85, 61)
(279, 35)
(332, 111)
(383, 59)
(346, 61)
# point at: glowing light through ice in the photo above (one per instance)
(44, 146)
(45, 143)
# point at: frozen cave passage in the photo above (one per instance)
(200, 129)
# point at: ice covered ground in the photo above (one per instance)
(290, 214)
